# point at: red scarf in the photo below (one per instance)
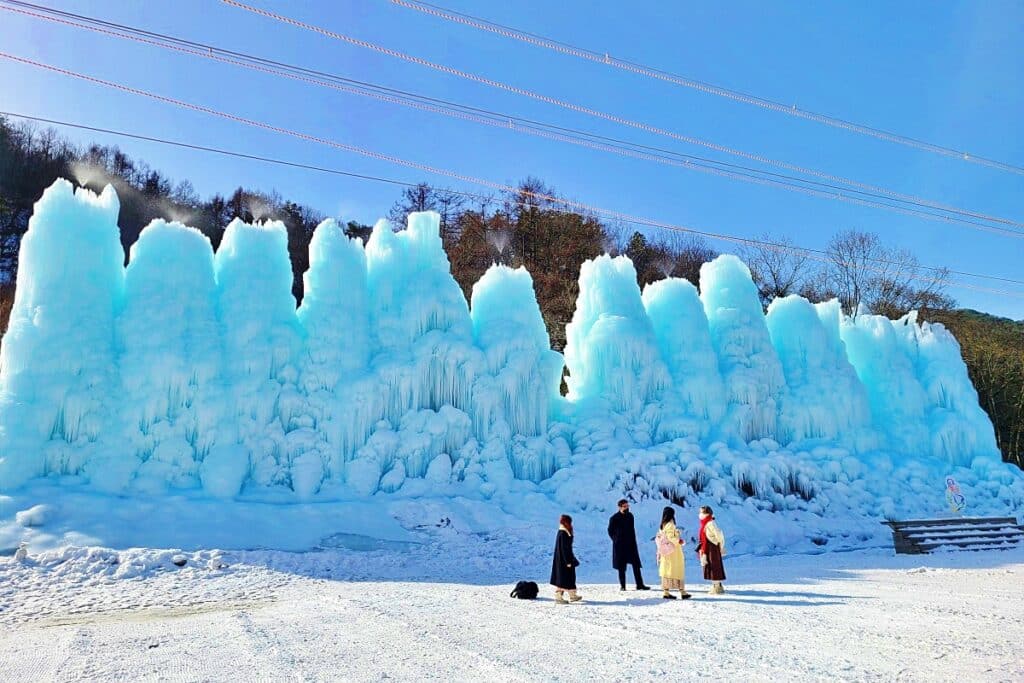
(703, 547)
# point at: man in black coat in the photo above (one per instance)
(624, 550)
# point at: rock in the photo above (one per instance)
(179, 560)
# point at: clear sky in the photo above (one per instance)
(951, 73)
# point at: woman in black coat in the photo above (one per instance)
(564, 563)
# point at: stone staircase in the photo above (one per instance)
(917, 536)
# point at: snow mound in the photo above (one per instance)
(37, 515)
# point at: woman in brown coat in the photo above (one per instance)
(711, 549)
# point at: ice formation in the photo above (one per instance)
(189, 370)
(520, 386)
(806, 339)
(57, 362)
(170, 361)
(610, 349)
(750, 367)
(696, 401)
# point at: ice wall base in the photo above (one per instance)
(192, 370)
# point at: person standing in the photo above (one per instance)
(711, 549)
(564, 563)
(622, 531)
(671, 565)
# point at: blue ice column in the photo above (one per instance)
(750, 367)
(825, 401)
(58, 361)
(262, 342)
(171, 355)
(697, 398)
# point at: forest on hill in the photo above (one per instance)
(526, 228)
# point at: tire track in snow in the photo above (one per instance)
(141, 614)
(547, 630)
(269, 642)
(488, 666)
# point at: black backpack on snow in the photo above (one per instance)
(525, 590)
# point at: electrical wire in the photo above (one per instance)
(709, 88)
(814, 254)
(494, 119)
(614, 118)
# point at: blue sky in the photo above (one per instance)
(949, 73)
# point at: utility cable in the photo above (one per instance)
(815, 254)
(614, 118)
(499, 120)
(709, 88)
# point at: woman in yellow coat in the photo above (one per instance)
(671, 565)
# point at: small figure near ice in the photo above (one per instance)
(622, 531)
(564, 563)
(671, 565)
(711, 550)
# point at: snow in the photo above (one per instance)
(37, 515)
(186, 398)
(442, 611)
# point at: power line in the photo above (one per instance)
(473, 180)
(225, 152)
(614, 118)
(496, 119)
(403, 183)
(814, 254)
(709, 88)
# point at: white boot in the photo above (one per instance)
(560, 598)
(574, 596)
(716, 588)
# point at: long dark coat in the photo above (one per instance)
(623, 534)
(564, 563)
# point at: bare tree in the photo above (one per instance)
(420, 197)
(531, 194)
(682, 255)
(616, 238)
(865, 273)
(449, 205)
(776, 265)
(816, 285)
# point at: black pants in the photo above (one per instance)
(636, 575)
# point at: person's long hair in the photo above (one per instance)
(566, 521)
(667, 515)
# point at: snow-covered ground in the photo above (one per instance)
(380, 465)
(411, 614)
